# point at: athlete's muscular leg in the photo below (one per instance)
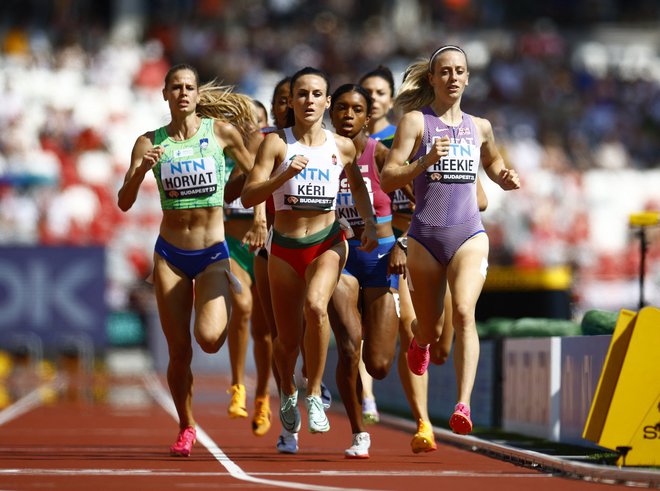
(429, 282)
(442, 347)
(263, 345)
(321, 276)
(239, 322)
(263, 286)
(345, 323)
(288, 299)
(174, 298)
(414, 386)
(380, 330)
(212, 306)
(467, 275)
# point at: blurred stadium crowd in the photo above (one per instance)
(574, 98)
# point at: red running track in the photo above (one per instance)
(122, 444)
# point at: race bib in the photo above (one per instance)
(188, 178)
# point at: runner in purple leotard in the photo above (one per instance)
(439, 147)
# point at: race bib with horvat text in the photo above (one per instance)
(189, 178)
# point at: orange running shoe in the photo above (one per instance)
(261, 418)
(238, 405)
(424, 439)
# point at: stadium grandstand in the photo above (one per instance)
(572, 89)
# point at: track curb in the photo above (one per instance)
(647, 478)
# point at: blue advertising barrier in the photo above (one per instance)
(53, 294)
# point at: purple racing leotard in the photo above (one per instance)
(446, 212)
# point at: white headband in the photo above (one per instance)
(440, 50)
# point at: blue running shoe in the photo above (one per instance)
(287, 442)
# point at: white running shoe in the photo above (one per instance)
(302, 383)
(317, 420)
(289, 414)
(287, 442)
(360, 447)
(326, 396)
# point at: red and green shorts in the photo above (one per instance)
(300, 252)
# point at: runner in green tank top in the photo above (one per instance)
(191, 264)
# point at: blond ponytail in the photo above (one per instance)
(415, 91)
(220, 102)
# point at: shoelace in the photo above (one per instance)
(289, 403)
(282, 441)
(359, 440)
(318, 406)
(262, 413)
(185, 437)
(233, 390)
(260, 405)
(463, 409)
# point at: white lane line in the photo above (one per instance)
(163, 398)
(22, 405)
(174, 472)
(28, 402)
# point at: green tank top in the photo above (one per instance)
(191, 173)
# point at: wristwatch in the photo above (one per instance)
(402, 242)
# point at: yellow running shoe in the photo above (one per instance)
(237, 406)
(261, 418)
(424, 440)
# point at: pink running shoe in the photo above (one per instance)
(418, 358)
(184, 443)
(460, 421)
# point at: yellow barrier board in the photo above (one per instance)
(610, 375)
(511, 278)
(625, 413)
